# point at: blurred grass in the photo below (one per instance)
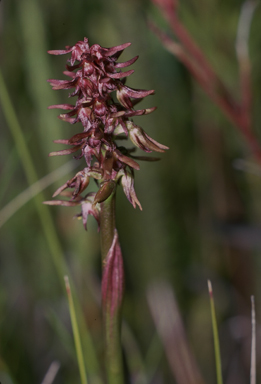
(45, 217)
(184, 233)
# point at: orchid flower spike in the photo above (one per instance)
(94, 76)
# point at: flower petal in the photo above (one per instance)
(60, 189)
(64, 203)
(116, 50)
(62, 106)
(140, 112)
(62, 84)
(61, 141)
(88, 208)
(137, 93)
(60, 51)
(65, 151)
(120, 75)
(79, 137)
(126, 63)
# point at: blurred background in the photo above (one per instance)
(201, 215)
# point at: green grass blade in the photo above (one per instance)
(215, 335)
(76, 334)
(14, 126)
(253, 343)
(37, 68)
(20, 200)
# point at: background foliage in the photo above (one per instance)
(201, 214)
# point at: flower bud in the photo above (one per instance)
(105, 191)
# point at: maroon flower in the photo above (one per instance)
(127, 182)
(87, 207)
(79, 182)
(142, 140)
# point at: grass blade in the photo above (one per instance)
(76, 333)
(20, 200)
(36, 63)
(215, 335)
(253, 343)
(165, 313)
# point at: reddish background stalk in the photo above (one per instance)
(191, 55)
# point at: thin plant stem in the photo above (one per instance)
(76, 334)
(111, 322)
(253, 343)
(215, 335)
(33, 35)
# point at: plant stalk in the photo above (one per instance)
(107, 224)
(111, 318)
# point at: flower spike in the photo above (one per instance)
(94, 75)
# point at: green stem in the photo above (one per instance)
(107, 225)
(111, 323)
